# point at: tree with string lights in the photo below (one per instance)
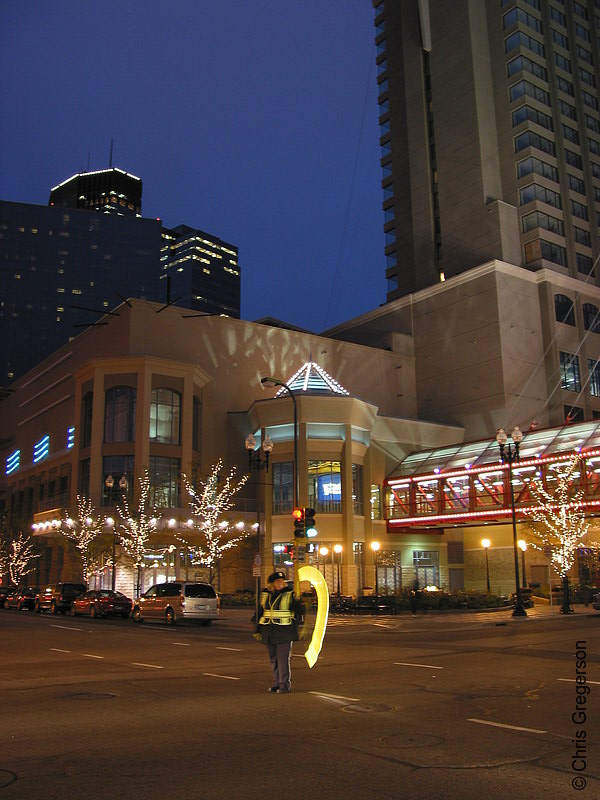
(209, 501)
(559, 523)
(134, 528)
(84, 532)
(21, 554)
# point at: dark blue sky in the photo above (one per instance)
(255, 120)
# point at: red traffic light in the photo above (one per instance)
(298, 514)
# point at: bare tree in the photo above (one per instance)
(559, 520)
(209, 502)
(134, 528)
(84, 532)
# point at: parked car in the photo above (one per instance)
(102, 602)
(596, 601)
(178, 600)
(22, 598)
(4, 592)
(57, 597)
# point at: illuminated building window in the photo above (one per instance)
(165, 415)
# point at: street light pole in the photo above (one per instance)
(375, 548)
(298, 543)
(338, 549)
(509, 454)
(485, 543)
(523, 547)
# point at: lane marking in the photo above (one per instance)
(91, 655)
(150, 666)
(409, 664)
(58, 650)
(225, 677)
(181, 644)
(328, 696)
(65, 627)
(572, 680)
(502, 725)
(235, 649)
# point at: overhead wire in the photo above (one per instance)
(350, 195)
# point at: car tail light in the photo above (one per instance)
(182, 601)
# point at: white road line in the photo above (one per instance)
(572, 680)
(226, 677)
(65, 627)
(181, 644)
(150, 666)
(58, 650)
(235, 649)
(90, 655)
(408, 664)
(335, 696)
(502, 725)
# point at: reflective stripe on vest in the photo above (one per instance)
(279, 613)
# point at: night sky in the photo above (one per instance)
(254, 120)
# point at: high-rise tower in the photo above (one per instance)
(490, 136)
(110, 191)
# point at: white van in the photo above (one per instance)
(177, 600)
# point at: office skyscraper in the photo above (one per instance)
(201, 271)
(490, 136)
(61, 269)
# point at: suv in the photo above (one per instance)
(58, 597)
(177, 600)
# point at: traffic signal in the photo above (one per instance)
(298, 514)
(309, 522)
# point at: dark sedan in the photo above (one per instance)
(21, 598)
(4, 592)
(102, 602)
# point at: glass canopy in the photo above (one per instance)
(536, 444)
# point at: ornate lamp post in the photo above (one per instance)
(375, 548)
(256, 462)
(509, 453)
(485, 543)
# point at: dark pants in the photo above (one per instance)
(279, 655)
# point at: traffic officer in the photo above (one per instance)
(280, 614)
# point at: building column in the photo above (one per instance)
(97, 438)
(349, 576)
(142, 426)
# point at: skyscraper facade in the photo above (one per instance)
(201, 271)
(490, 136)
(61, 269)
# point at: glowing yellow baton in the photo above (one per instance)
(314, 577)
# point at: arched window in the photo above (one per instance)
(563, 309)
(165, 415)
(119, 414)
(591, 317)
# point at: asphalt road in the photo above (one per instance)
(450, 706)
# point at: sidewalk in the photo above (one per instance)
(240, 618)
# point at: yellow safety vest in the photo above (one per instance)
(277, 613)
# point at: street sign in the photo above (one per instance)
(256, 572)
(257, 561)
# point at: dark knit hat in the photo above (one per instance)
(275, 576)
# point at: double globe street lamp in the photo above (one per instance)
(509, 453)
